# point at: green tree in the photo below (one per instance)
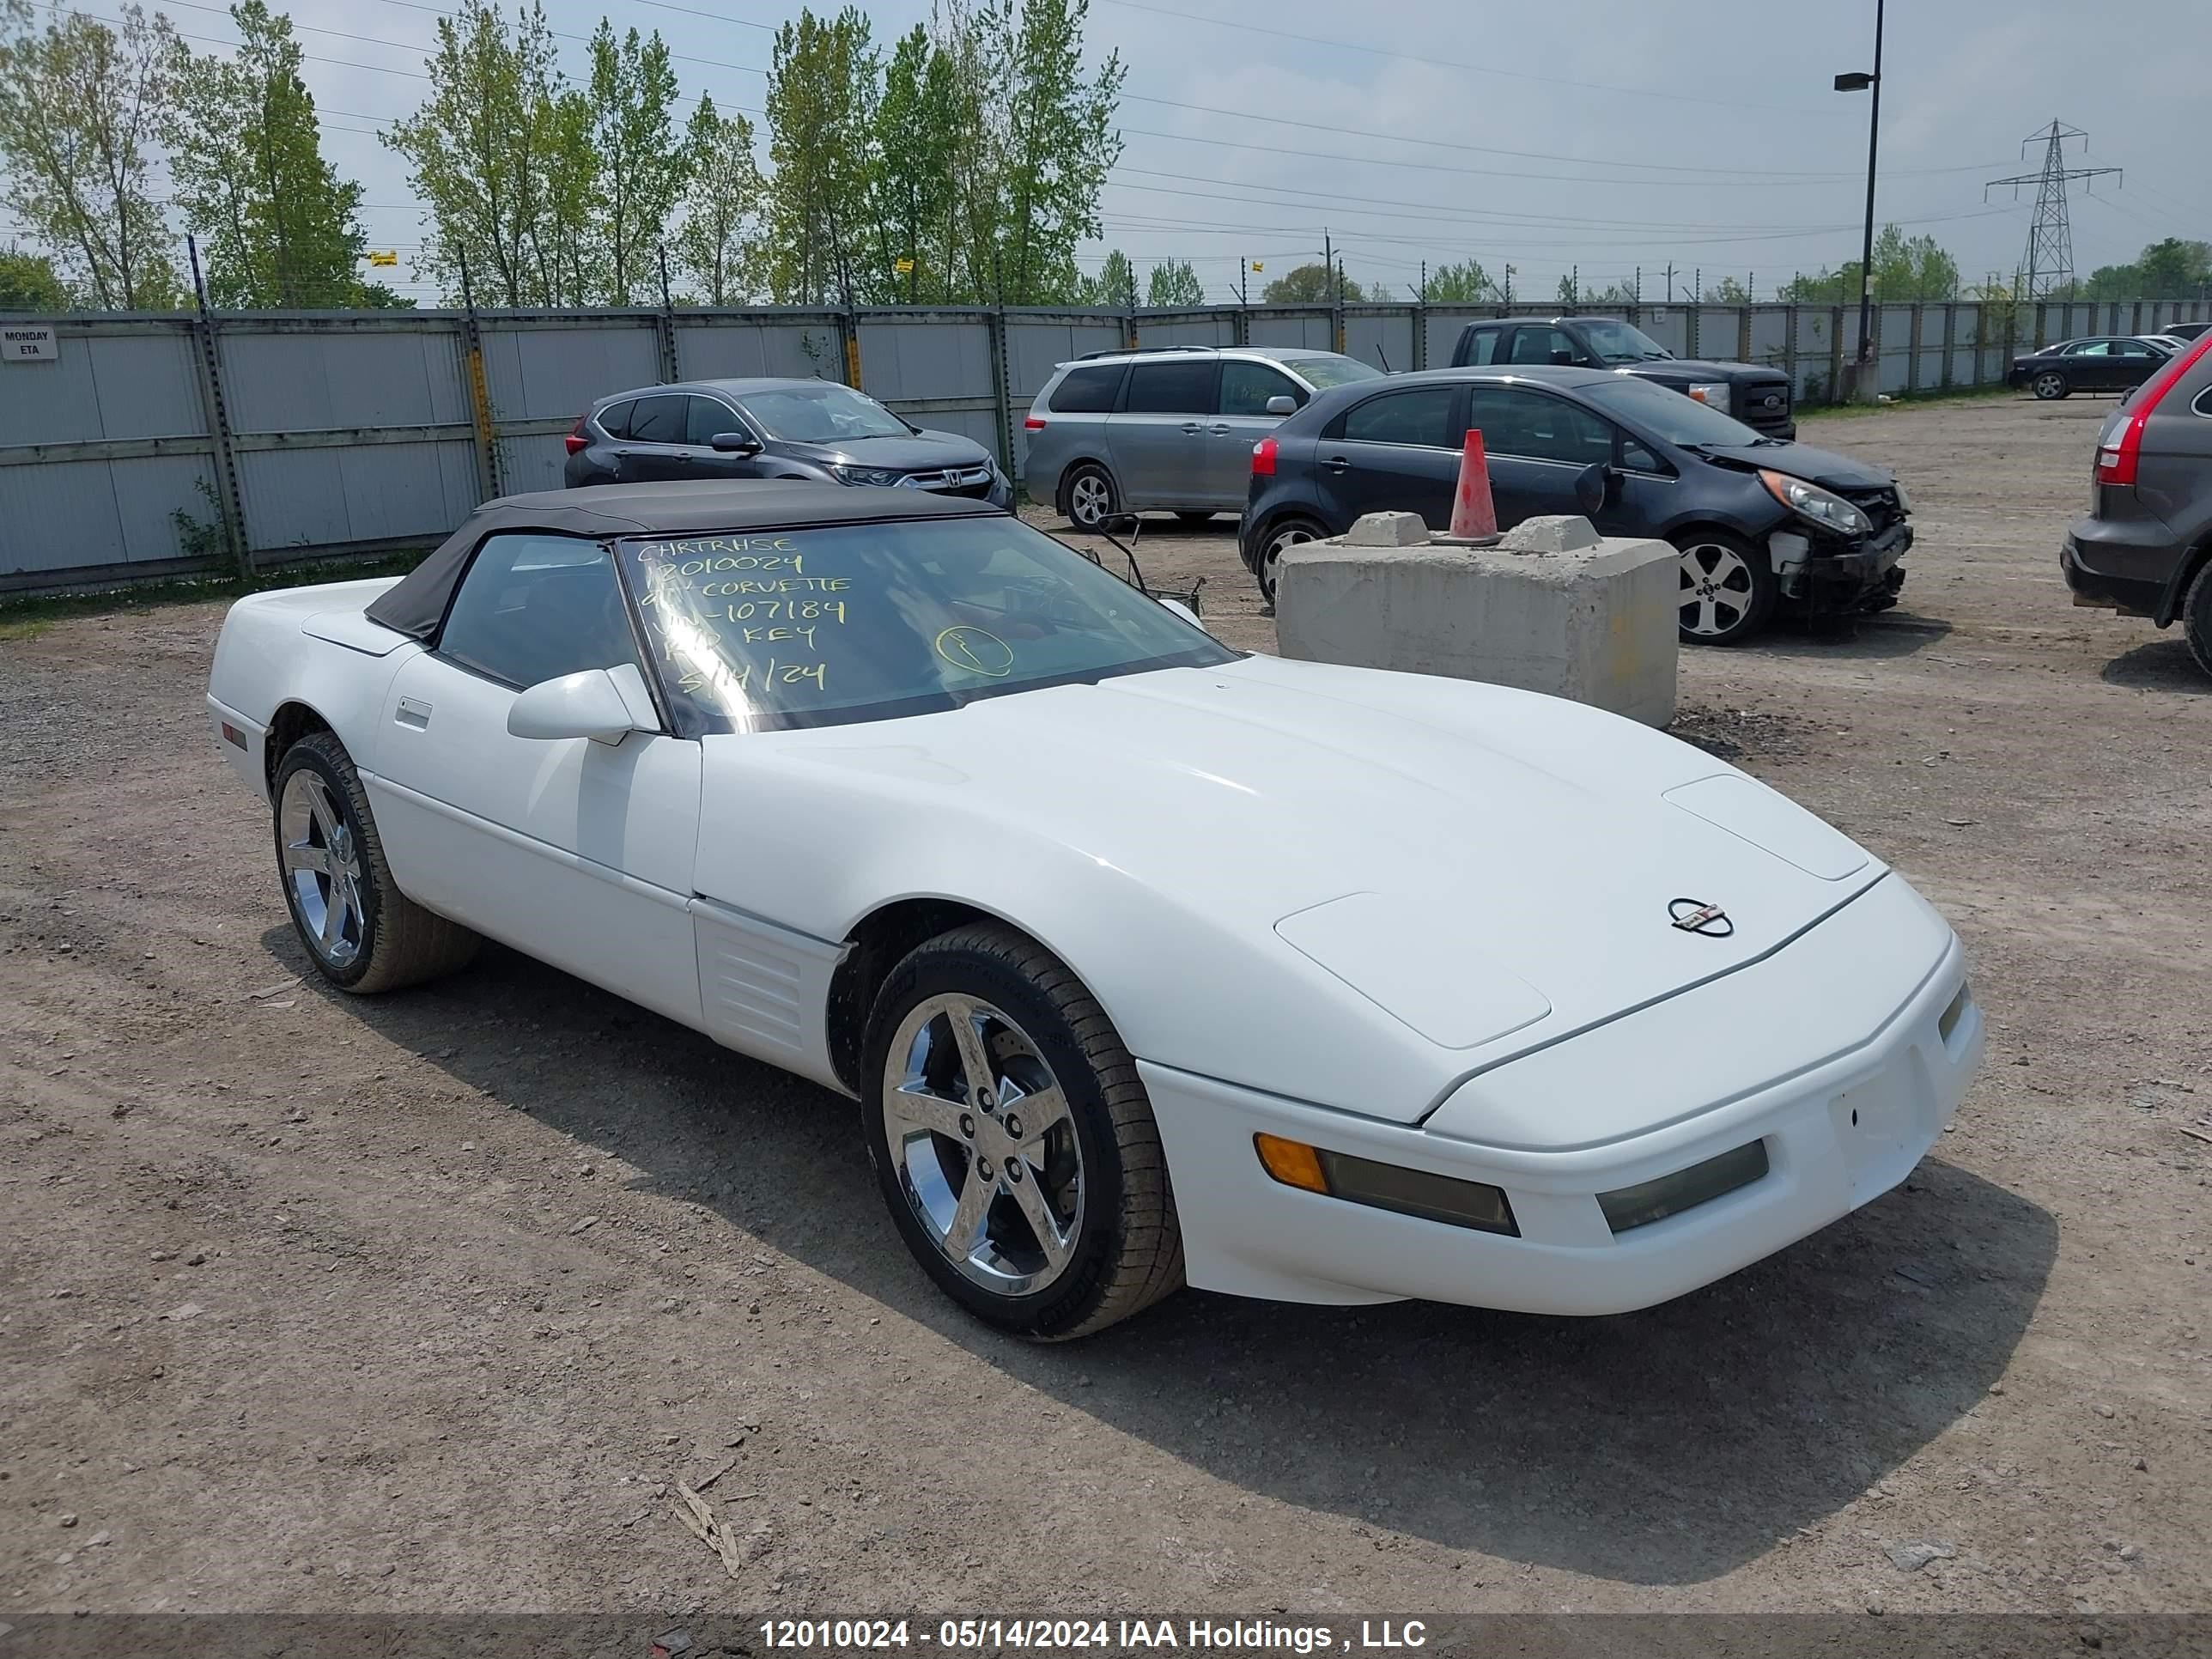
(1726, 292)
(642, 167)
(277, 226)
(28, 282)
(80, 106)
(1116, 284)
(919, 124)
(822, 96)
(1059, 143)
(717, 246)
(1463, 283)
(1174, 283)
(502, 162)
(1907, 268)
(2175, 270)
(1309, 284)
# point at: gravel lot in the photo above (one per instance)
(422, 1303)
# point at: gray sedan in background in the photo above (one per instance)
(1168, 429)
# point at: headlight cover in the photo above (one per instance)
(868, 475)
(1824, 508)
(1714, 394)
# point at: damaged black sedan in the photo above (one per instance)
(1762, 525)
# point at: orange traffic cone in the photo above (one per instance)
(1473, 516)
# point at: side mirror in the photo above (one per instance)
(733, 443)
(1282, 404)
(1590, 487)
(1184, 611)
(592, 704)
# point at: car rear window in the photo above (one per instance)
(614, 419)
(1088, 390)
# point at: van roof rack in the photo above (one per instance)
(1141, 351)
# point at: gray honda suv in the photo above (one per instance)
(2145, 548)
(1169, 428)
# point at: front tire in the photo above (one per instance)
(1012, 1140)
(1727, 588)
(361, 932)
(2049, 385)
(2196, 618)
(1088, 497)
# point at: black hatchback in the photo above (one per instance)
(1760, 523)
(771, 429)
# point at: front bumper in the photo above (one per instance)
(1838, 1132)
(1831, 576)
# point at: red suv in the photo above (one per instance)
(2145, 548)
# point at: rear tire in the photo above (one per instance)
(2196, 618)
(2049, 385)
(1728, 587)
(1283, 533)
(361, 932)
(1088, 494)
(971, 1187)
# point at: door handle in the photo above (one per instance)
(1192, 427)
(1219, 429)
(1338, 463)
(413, 711)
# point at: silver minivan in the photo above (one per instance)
(1169, 428)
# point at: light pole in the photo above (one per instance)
(1864, 373)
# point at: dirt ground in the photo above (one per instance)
(422, 1303)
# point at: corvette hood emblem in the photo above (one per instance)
(1696, 917)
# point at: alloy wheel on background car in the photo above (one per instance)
(322, 869)
(1090, 497)
(1721, 592)
(2050, 384)
(1286, 535)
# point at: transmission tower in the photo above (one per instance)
(2049, 263)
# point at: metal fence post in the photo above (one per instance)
(1836, 354)
(664, 327)
(473, 373)
(228, 502)
(1420, 353)
(1691, 337)
(1950, 333)
(1912, 348)
(848, 326)
(1002, 386)
(1743, 333)
(1789, 349)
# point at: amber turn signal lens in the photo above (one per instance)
(1290, 1162)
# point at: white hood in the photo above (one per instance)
(1455, 871)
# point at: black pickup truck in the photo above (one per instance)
(1759, 397)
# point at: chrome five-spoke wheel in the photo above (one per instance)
(322, 869)
(1726, 587)
(986, 1153)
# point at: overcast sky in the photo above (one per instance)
(1596, 133)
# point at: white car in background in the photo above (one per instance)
(1149, 962)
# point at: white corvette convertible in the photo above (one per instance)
(1150, 963)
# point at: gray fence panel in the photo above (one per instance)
(76, 516)
(328, 497)
(742, 348)
(1315, 331)
(540, 371)
(1380, 339)
(1444, 327)
(1894, 341)
(1196, 331)
(1770, 336)
(1670, 325)
(1966, 345)
(140, 381)
(904, 361)
(1815, 360)
(317, 380)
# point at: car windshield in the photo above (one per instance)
(759, 631)
(1671, 415)
(1325, 371)
(1618, 343)
(821, 413)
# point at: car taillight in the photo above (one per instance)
(1033, 424)
(1263, 458)
(576, 440)
(2120, 459)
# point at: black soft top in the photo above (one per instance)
(417, 604)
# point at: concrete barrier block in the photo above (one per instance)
(1568, 533)
(1389, 530)
(1596, 624)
